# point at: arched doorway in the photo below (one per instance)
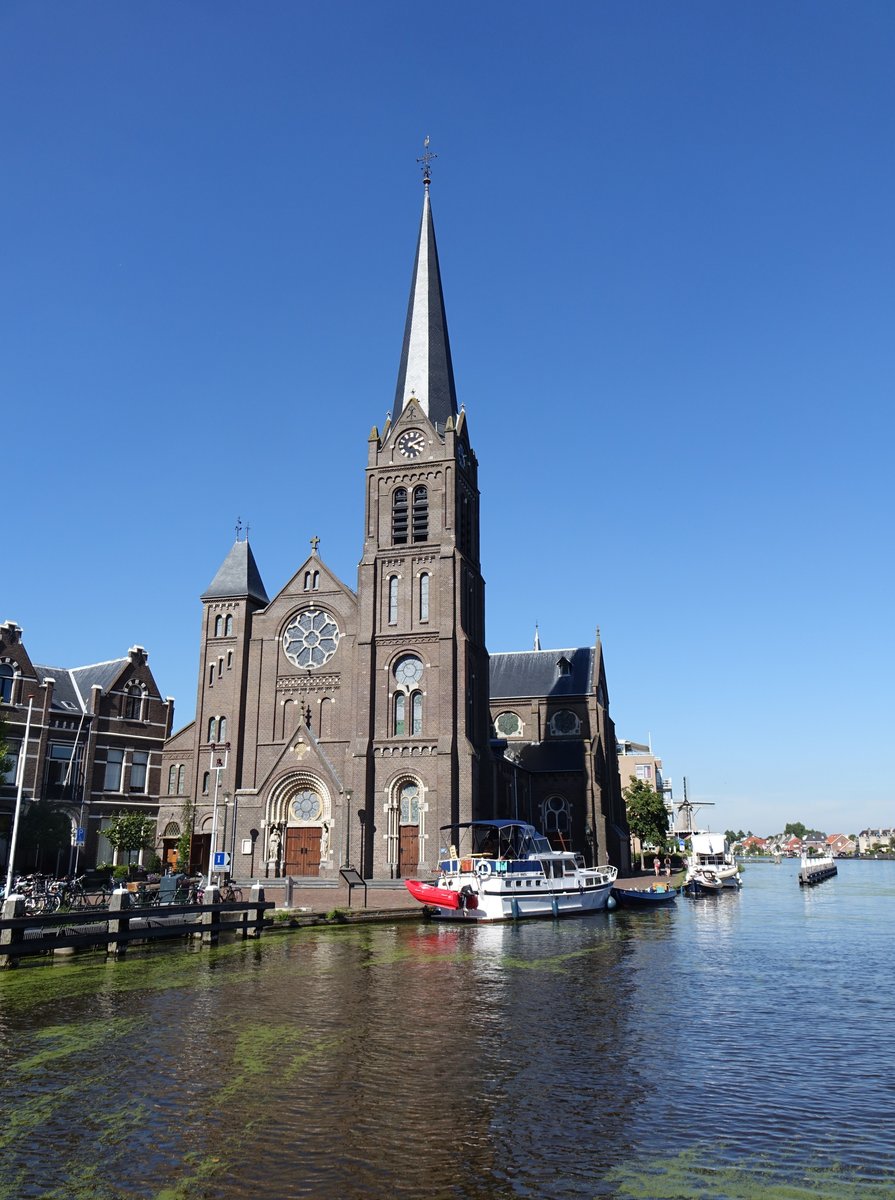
(405, 815)
(299, 818)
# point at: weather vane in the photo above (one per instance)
(426, 158)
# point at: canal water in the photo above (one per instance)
(739, 1046)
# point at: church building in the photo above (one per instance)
(338, 726)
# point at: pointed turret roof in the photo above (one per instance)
(237, 576)
(426, 370)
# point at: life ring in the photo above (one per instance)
(483, 868)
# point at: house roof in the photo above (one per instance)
(72, 686)
(529, 673)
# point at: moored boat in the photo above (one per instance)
(711, 862)
(702, 882)
(506, 871)
(658, 893)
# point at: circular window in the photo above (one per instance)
(565, 722)
(508, 724)
(408, 670)
(305, 806)
(312, 639)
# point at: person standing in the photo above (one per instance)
(656, 865)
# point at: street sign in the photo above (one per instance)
(80, 836)
(221, 860)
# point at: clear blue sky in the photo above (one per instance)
(666, 237)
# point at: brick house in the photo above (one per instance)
(94, 745)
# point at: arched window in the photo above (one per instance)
(229, 659)
(212, 729)
(393, 599)
(172, 830)
(133, 703)
(181, 780)
(6, 677)
(172, 779)
(409, 802)
(556, 817)
(220, 667)
(421, 513)
(307, 581)
(211, 675)
(222, 729)
(424, 597)
(315, 582)
(205, 778)
(399, 516)
(218, 626)
(416, 709)
(228, 628)
(400, 714)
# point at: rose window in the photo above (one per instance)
(312, 639)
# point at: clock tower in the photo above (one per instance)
(422, 717)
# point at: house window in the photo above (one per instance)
(6, 678)
(424, 597)
(399, 516)
(58, 770)
(212, 729)
(421, 514)
(644, 771)
(112, 777)
(133, 703)
(139, 763)
(228, 627)
(393, 599)
(172, 779)
(12, 753)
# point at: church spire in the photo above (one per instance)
(426, 371)
(237, 576)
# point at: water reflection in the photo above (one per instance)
(620, 1055)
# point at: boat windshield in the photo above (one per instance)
(498, 839)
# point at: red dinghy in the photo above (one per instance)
(428, 893)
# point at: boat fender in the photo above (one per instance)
(483, 868)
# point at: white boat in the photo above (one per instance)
(506, 871)
(711, 862)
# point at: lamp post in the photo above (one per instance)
(346, 862)
(216, 765)
(23, 754)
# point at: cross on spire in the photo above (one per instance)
(425, 159)
(315, 542)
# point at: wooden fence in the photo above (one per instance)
(121, 923)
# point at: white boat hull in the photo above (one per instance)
(504, 901)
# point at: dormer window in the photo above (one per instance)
(563, 666)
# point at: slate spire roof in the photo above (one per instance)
(237, 576)
(426, 370)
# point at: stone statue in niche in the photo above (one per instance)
(324, 841)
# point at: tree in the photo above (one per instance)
(797, 829)
(5, 760)
(647, 814)
(44, 830)
(130, 832)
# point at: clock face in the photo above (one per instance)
(411, 443)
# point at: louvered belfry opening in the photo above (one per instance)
(420, 514)
(399, 516)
